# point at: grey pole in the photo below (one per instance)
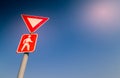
(23, 66)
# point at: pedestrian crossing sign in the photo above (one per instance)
(27, 43)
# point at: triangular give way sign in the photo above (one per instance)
(33, 22)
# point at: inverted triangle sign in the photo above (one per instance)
(33, 22)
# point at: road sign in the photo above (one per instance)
(33, 22)
(27, 43)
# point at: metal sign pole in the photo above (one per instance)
(23, 66)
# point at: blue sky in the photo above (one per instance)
(80, 40)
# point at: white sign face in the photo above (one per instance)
(34, 21)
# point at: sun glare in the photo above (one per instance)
(102, 16)
(103, 12)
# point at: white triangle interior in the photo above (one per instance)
(34, 21)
